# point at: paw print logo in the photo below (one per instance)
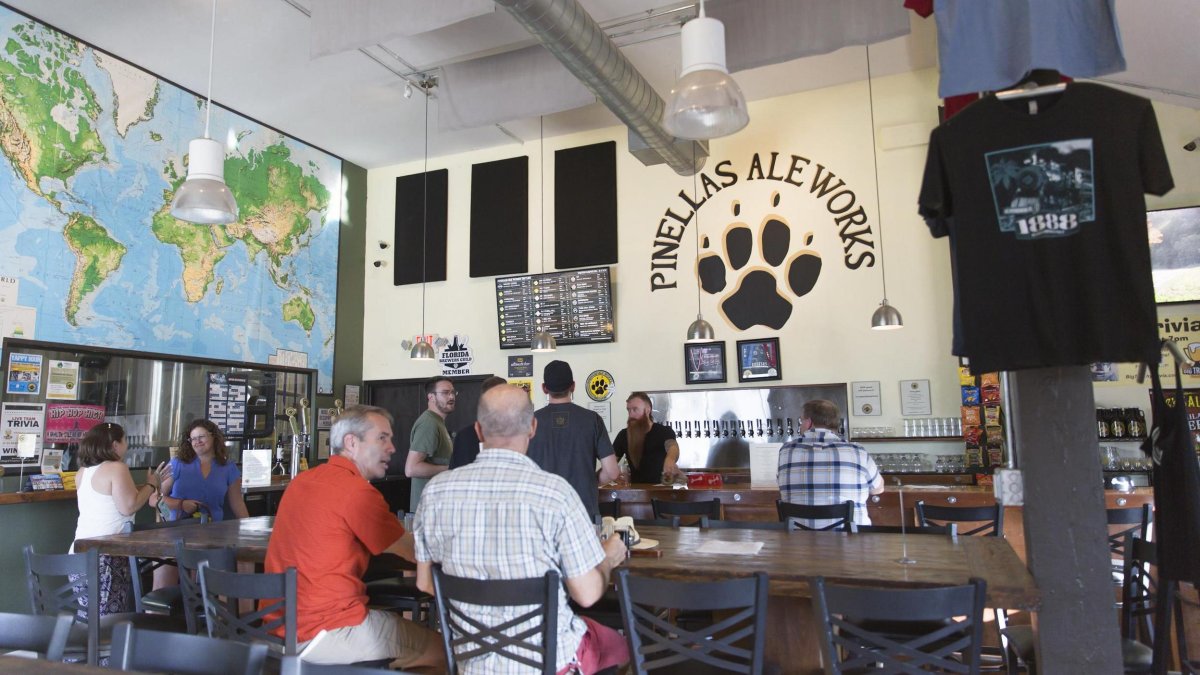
(600, 385)
(755, 298)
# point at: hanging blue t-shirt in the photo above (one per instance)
(189, 483)
(986, 46)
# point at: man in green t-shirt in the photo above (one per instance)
(429, 446)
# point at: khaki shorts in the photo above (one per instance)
(382, 635)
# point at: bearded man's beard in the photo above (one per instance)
(635, 432)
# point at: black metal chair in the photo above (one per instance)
(610, 508)
(44, 635)
(951, 646)
(841, 514)
(734, 642)
(990, 517)
(294, 665)
(747, 525)
(1137, 520)
(222, 590)
(676, 511)
(166, 600)
(188, 560)
(52, 591)
(181, 654)
(466, 637)
(949, 529)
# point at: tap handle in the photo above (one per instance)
(707, 431)
(687, 429)
(758, 424)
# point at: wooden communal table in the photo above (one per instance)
(249, 535)
(790, 558)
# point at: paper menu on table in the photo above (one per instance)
(764, 464)
(730, 547)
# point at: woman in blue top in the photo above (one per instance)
(202, 477)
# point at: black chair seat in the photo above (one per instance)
(400, 594)
(168, 600)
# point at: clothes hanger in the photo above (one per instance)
(1176, 353)
(1037, 82)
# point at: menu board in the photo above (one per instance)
(574, 306)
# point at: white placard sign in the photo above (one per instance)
(914, 398)
(62, 380)
(866, 398)
(764, 464)
(604, 410)
(256, 467)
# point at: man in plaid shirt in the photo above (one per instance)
(820, 468)
(502, 517)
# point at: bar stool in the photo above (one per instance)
(704, 510)
(841, 514)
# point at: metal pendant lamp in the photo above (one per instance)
(422, 350)
(204, 198)
(542, 342)
(700, 330)
(886, 317)
(706, 101)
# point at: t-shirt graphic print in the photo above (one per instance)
(1043, 190)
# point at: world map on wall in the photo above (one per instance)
(93, 152)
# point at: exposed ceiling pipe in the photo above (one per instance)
(575, 39)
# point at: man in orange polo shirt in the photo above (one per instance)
(330, 522)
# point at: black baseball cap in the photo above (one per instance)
(557, 376)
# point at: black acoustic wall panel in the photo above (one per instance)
(500, 217)
(417, 230)
(585, 206)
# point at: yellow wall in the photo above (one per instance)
(827, 339)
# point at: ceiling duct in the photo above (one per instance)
(575, 39)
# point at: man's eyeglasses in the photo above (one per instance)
(449, 393)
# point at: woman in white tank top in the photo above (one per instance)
(108, 498)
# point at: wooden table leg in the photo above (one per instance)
(792, 642)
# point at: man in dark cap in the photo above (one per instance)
(571, 438)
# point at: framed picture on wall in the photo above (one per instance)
(758, 360)
(703, 362)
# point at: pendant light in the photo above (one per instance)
(204, 198)
(886, 317)
(422, 350)
(705, 102)
(700, 330)
(542, 342)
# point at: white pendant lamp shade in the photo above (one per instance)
(706, 102)
(886, 317)
(204, 198)
(543, 342)
(700, 330)
(422, 351)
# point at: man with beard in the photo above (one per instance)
(650, 446)
(429, 446)
(571, 439)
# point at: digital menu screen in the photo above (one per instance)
(574, 306)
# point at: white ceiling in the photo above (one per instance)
(353, 105)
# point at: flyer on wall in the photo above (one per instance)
(19, 421)
(24, 374)
(62, 380)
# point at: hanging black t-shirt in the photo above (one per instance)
(654, 453)
(1046, 216)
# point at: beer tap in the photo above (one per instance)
(725, 428)
(716, 430)
(758, 424)
(770, 432)
(789, 425)
(687, 429)
(741, 428)
(707, 431)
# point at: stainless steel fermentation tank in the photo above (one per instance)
(715, 427)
